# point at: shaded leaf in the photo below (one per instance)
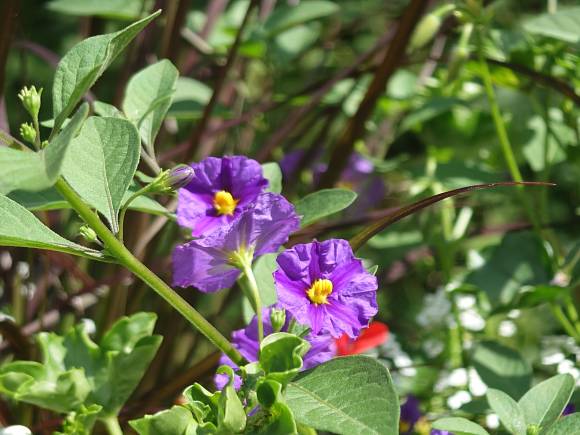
(566, 425)
(459, 426)
(323, 203)
(273, 174)
(177, 420)
(563, 25)
(148, 96)
(502, 368)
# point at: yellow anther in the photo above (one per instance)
(319, 291)
(224, 203)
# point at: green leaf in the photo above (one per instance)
(80, 422)
(114, 9)
(20, 228)
(178, 421)
(323, 203)
(231, 414)
(507, 410)
(101, 164)
(566, 425)
(273, 174)
(285, 17)
(34, 171)
(107, 110)
(148, 97)
(563, 25)
(281, 356)
(77, 371)
(80, 68)
(191, 97)
(544, 403)
(459, 426)
(518, 261)
(347, 395)
(502, 368)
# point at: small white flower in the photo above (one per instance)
(435, 309)
(472, 320)
(476, 386)
(458, 399)
(15, 430)
(492, 421)
(458, 378)
(465, 302)
(507, 328)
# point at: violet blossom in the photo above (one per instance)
(246, 341)
(325, 287)
(214, 262)
(220, 190)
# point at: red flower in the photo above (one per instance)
(371, 337)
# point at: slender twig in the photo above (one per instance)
(199, 130)
(292, 120)
(355, 127)
(554, 83)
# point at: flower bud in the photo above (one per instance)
(278, 318)
(180, 176)
(28, 132)
(88, 234)
(30, 98)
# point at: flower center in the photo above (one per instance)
(319, 291)
(224, 203)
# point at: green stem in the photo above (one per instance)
(112, 425)
(123, 211)
(37, 140)
(250, 288)
(503, 137)
(116, 248)
(565, 322)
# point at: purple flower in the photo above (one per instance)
(325, 287)
(246, 341)
(569, 409)
(213, 262)
(410, 415)
(219, 191)
(440, 432)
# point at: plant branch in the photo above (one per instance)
(199, 130)
(127, 259)
(355, 127)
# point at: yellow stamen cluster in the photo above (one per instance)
(319, 291)
(224, 203)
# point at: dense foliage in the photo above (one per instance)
(291, 216)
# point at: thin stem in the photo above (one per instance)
(112, 425)
(503, 137)
(250, 288)
(565, 322)
(498, 120)
(126, 258)
(123, 211)
(37, 140)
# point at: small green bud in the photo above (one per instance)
(88, 234)
(43, 144)
(533, 429)
(28, 132)
(278, 318)
(30, 98)
(172, 179)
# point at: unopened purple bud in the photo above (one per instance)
(180, 176)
